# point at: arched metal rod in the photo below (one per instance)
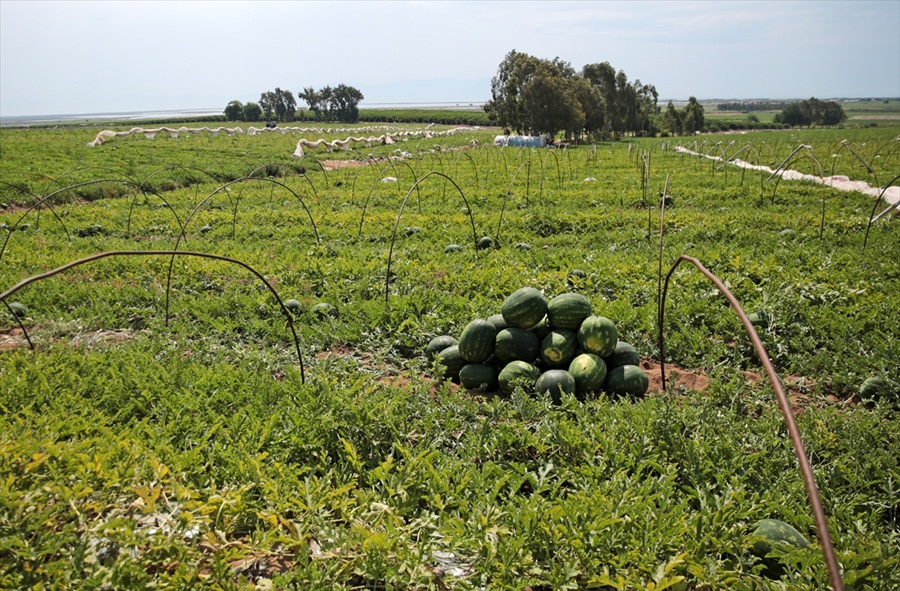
(205, 199)
(784, 165)
(168, 253)
(21, 324)
(379, 178)
(38, 202)
(526, 163)
(387, 274)
(873, 218)
(281, 166)
(44, 199)
(143, 188)
(474, 167)
(809, 479)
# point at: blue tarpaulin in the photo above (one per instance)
(526, 141)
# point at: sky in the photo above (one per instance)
(75, 57)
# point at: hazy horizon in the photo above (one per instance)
(116, 57)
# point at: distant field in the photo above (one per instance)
(859, 113)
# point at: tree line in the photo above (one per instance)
(340, 104)
(812, 112)
(537, 96)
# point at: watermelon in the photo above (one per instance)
(292, 305)
(438, 344)
(498, 321)
(517, 343)
(568, 310)
(523, 246)
(772, 533)
(558, 348)
(760, 319)
(876, 387)
(541, 329)
(624, 354)
(478, 376)
(452, 248)
(555, 382)
(324, 309)
(476, 343)
(524, 308)
(18, 309)
(452, 362)
(484, 243)
(627, 380)
(589, 372)
(517, 373)
(598, 335)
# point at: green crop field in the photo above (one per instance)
(177, 413)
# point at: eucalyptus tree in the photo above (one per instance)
(692, 118)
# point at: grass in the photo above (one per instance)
(189, 453)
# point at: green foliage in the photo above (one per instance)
(537, 96)
(182, 450)
(812, 112)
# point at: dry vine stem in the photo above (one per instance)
(173, 254)
(834, 573)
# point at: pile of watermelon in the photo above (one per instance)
(545, 346)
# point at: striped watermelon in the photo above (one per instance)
(568, 310)
(524, 308)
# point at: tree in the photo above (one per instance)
(551, 103)
(792, 115)
(833, 114)
(278, 104)
(812, 112)
(233, 111)
(692, 117)
(314, 101)
(591, 103)
(345, 103)
(647, 108)
(671, 121)
(603, 77)
(252, 112)
(506, 107)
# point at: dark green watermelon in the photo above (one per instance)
(770, 532)
(568, 310)
(438, 344)
(589, 372)
(478, 376)
(558, 348)
(525, 308)
(476, 343)
(879, 388)
(484, 243)
(554, 382)
(324, 310)
(625, 354)
(451, 361)
(517, 343)
(498, 321)
(517, 373)
(598, 335)
(627, 380)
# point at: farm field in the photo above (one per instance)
(177, 426)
